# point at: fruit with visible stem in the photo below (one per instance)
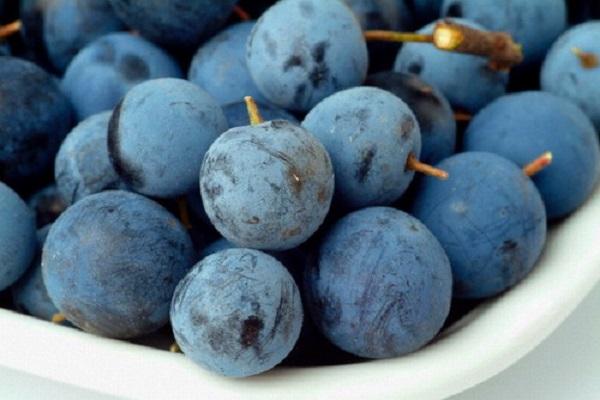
(489, 218)
(268, 185)
(572, 68)
(374, 142)
(522, 126)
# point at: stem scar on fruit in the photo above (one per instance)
(588, 60)
(499, 47)
(538, 165)
(10, 29)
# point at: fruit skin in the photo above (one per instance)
(159, 133)
(563, 74)
(17, 236)
(381, 284)
(71, 24)
(111, 263)
(178, 24)
(431, 108)
(106, 69)
(34, 118)
(535, 24)
(489, 218)
(267, 186)
(301, 51)
(219, 66)
(466, 81)
(237, 114)
(82, 166)
(522, 126)
(369, 133)
(29, 293)
(237, 313)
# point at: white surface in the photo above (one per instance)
(497, 335)
(564, 367)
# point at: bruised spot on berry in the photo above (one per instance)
(251, 328)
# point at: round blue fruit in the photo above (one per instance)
(466, 80)
(237, 113)
(490, 219)
(369, 134)
(159, 133)
(564, 74)
(381, 284)
(180, 24)
(219, 66)
(524, 125)
(535, 24)
(237, 313)
(431, 108)
(34, 118)
(111, 263)
(106, 69)
(17, 236)
(82, 166)
(69, 25)
(301, 51)
(267, 186)
(29, 293)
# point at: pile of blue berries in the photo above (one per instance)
(330, 182)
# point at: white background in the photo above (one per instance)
(564, 367)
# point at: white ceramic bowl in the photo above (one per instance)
(489, 339)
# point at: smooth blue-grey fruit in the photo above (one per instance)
(237, 313)
(489, 218)
(267, 186)
(369, 134)
(564, 73)
(301, 51)
(522, 126)
(112, 261)
(380, 285)
(159, 133)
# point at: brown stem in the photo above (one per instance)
(253, 112)
(400, 37)
(588, 60)
(174, 348)
(241, 13)
(539, 164)
(10, 29)
(461, 116)
(499, 47)
(415, 165)
(184, 214)
(58, 318)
